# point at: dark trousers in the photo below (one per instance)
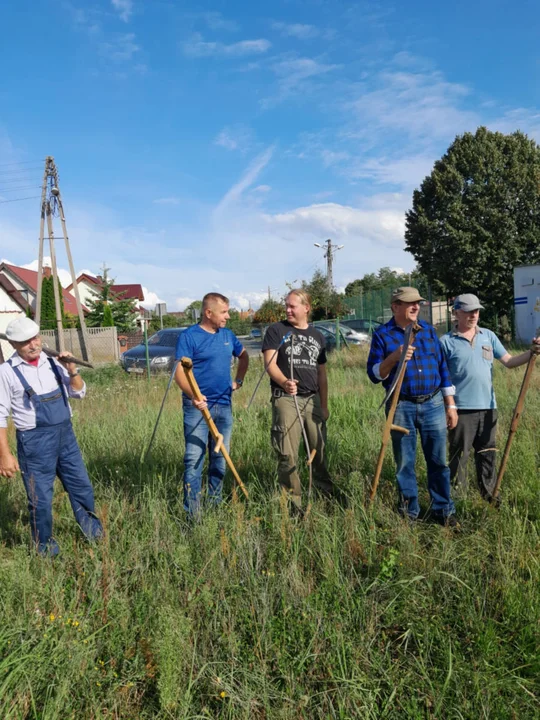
(44, 453)
(476, 429)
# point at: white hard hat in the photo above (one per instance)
(22, 329)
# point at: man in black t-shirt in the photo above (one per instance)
(306, 378)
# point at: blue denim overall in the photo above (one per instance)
(48, 450)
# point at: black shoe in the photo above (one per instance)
(449, 521)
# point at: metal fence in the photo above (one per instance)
(103, 343)
(375, 306)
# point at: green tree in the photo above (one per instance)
(108, 320)
(190, 310)
(123, 310)
(270, 311)
(48, 307)
(169, 321)
(477, 216)
(325, 302)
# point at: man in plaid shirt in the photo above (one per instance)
(426, 404)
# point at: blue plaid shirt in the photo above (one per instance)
(426, 371)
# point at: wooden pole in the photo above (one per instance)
(516, 417)
(85, 345)
(389, 425)
(218, 437)
(57, 305)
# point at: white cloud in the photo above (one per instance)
(292, 75)
(237, 137)
(197, 47)
(121, 48)
(124, 8)
(216, 21)
(262, 189)
(247, 179)
(297, 30)
(375, 222)
(151, 299)
(181, 303)
(418, 104)
(245, 301)
(63, 275)
(331, 157)
(167, 201)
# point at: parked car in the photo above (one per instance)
(361, 324)
(161, 351)
(255, 334)
(351, 336)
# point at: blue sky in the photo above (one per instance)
(208, 145)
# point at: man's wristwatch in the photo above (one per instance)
(73, 374)
(238, 382)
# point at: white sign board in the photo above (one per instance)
(527, 301)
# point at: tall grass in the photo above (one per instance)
(251, 614)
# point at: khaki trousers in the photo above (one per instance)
(287, 437)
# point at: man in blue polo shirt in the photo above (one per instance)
(469, 351)
(426, 404)
(211, 347)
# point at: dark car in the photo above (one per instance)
(329, 336)
(361, 324)
(161, 351)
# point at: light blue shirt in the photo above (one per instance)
(471, 367)
(41, 379)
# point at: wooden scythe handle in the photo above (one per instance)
(516, 417)
(388, 427)
(187, 365)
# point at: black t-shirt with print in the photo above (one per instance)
(309, 352)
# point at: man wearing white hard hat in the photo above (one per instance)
(35, 390)
(470, 350)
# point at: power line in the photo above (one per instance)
(20, 171)
(23, 187)
(21, 162)
(33, 197)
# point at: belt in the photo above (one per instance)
(278, 393)
(419, 399)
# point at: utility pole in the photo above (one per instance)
(329, 252)
(51, 206)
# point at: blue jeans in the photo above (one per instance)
(198, 440)
(429, 419)
(44, 453)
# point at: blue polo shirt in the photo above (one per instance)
(471, 367)
(211, 354)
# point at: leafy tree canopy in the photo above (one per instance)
(325, 301)
(477, 216)
(270, 311)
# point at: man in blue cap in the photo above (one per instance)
(470, 350)
(35, 389)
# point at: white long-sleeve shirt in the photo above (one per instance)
(41, 379)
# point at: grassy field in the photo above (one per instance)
(249, 614)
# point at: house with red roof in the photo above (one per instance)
(89, 286)
(18, 291)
